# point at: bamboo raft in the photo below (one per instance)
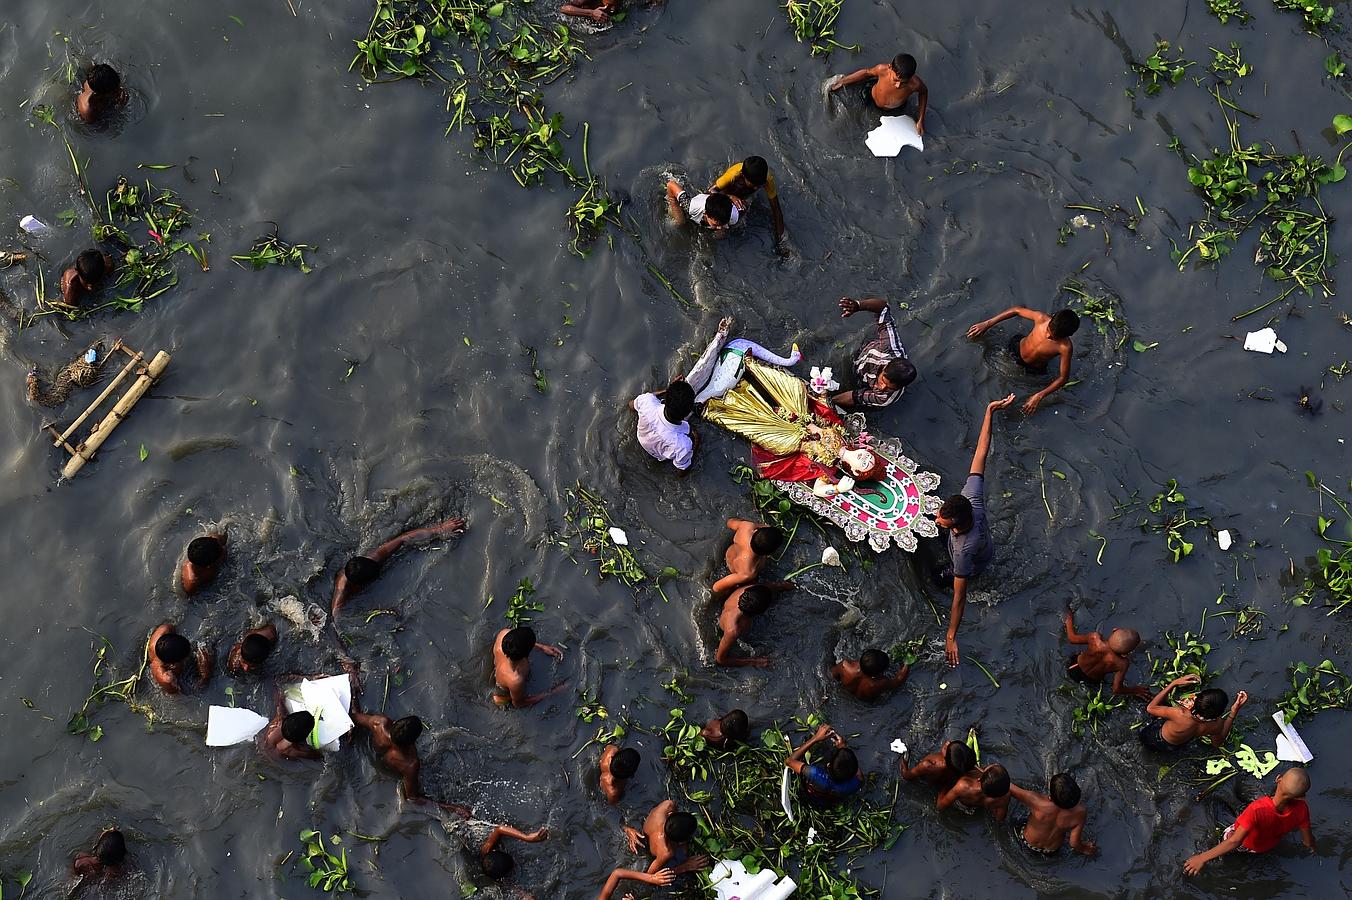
(145, 374)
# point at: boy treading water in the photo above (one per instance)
(981, 788)
(1199, 716)
(101, 93)
(752, 546)
(511, 666)
(1049, 338)
(1090, 665)
(617, 767)
(866, 677)
(85, 276)
(893, 84)
(942, 768)
(1052, 819)
(741, 607)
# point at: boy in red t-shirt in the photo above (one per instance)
(1260, 827)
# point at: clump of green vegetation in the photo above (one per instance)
(1173, 519)
(1094, 711)
(1225, 10)
(1231, 63)
(271, 250)
(1313, 13)
(494, 62)
(1188, 656)
(1332, 572)
(123, 689)
(590, 525)
(774, 505)
(1247, 185)
(326, 872)
(1315, 688)
(1158, 69)
(1104, 309)
(741, 817)
(521, 605)
(814, 22)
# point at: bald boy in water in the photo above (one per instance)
(169, 654)
(511, 666)
(893, 85)
(866, 677)
(752, 546)
(1049, 339)
(360, 571)
(1100, 657)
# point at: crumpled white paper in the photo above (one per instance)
(1263, 341)
(892, 134)
(227, 725)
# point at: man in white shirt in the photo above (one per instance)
(662, 427)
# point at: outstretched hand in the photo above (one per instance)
(951, 651)
(978, 330)
(1031, 404)
(1003, 403)
(848, 307)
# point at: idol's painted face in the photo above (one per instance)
(857, 461)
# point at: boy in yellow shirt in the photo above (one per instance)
(743, 179)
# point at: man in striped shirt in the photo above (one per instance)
(881, 368)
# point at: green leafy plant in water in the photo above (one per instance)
(1174, 520)
(590, 524)
(271, 250)
(1225, 10)
(1094, 710)
(814, 22)
(1103, 309)
(774, 505)
(1315, 688)
(1188, 656)
(684, 750)
(1232, 63)
(1332, 571)
(1313, 13)
(1334, 65)
(521, 605)
(105, 688)
(1158, 69)
(325, 871)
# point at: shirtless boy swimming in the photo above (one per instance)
(1051, 819)
(741, 607)
(985, 787)
(1200, 716)
(1049, 339)
(752, 546)
(893, 85)
(1100, 657)
(866, 677)
(511, 666)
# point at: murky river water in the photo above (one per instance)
(433, 274)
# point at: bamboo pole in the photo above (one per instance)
(104, 429)
(98, 401)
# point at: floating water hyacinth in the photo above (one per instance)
(821, 381)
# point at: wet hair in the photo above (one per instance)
(754, 600)
(719, 208)
(995, 781)
(678, 402)
(103, 79)
(172, 648)
(111, 847)
(361, 570)
(766, 540)
(1065, 792)
(899, 372)
(90, 265)
(959, 757)
(844, 765)
(205, 551)
(497, 864)
(405, 731)
(1210, 704)
(1301, 779)
(1064, 323)
(255, 648)
(958, 510)
(904, 65)
(874, 663)
(680, 827)
(296, 727)
(755, 170)
(624, 763)
(736, 725)
(518, 643)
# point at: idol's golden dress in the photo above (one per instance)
(770, 408)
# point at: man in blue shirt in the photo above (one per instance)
(829, 784)
(963, 516)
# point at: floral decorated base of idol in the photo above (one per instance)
(896, 511)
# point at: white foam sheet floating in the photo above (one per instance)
(1290, 746)
(227, 725)
(892, 134)
(1264, 340)
(731, 881)
(328, 700)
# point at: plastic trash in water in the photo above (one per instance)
(227, 725)
(1263, 341)
(34, 226)
(619, 537)
(786, 795)
(898, 746)
(91, 355)
(1290, 746)
(1224, 539)
(731, 881)
(892, 134)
